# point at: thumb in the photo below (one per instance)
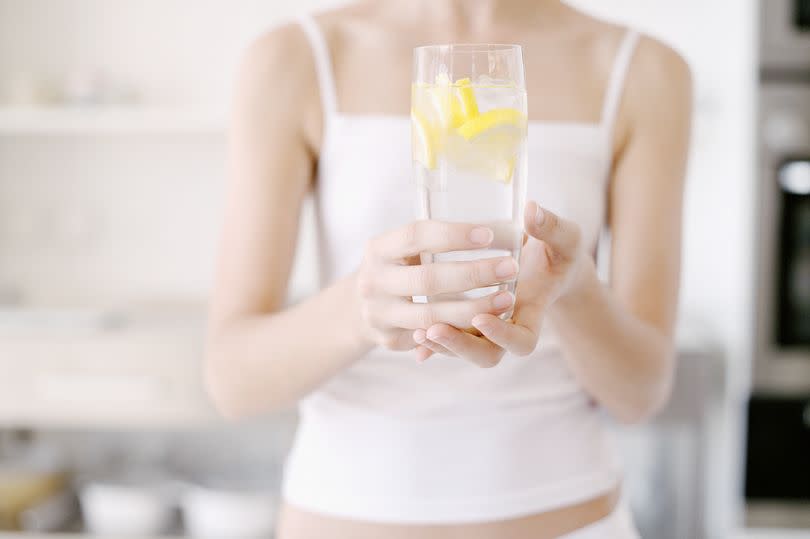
(561, 235)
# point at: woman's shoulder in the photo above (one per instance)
(278, 70)
(605, 38)
(284, 45)
(656, 60)
(652, 57)
(288, 42)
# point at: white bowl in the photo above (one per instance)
(125, 511)
(228, 514)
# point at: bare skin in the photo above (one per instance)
(617, 340)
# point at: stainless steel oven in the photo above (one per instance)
(777, 483)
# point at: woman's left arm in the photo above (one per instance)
(618, 340)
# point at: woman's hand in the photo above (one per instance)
(551, 264)
(390, 275)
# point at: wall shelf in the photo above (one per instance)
(109, 120)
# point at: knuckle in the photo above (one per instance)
(368, 314)
(446, 232)
(390, 341)
(426, 279)
(426, 316)
(365, 284)
(476, 274)
(411, 236)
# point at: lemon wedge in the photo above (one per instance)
(422, 140)
(466, 99)
(512, 120)
(446, 106)
(489, 143)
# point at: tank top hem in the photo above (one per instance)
(459, 510)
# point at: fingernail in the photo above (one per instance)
(502, 300)
(506, 268)
(419, 336)
(540, 216)
(481, 236)
(480, 323)
(435, 337)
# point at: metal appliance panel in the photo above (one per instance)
(784, 134)
(785, 41)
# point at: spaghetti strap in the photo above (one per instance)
(615, 88)
(323, 64)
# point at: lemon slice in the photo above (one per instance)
(512, 120)
(446, 106)
(466, 99)
(489, 143)
(422, 140)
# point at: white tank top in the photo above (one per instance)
(392, 440)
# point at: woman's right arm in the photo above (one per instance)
(261, 357)
(258, 357)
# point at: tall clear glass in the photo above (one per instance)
(469, 129)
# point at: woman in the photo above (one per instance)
(426, 444)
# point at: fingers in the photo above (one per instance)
(394, 339)
(442, 277)
(514, 338)
(431, 237)
(408, 315)
(420, 336)
(423, 353)
(561, 235)
(475, 349)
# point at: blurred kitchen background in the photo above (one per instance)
(112, 133)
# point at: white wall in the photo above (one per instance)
(107, 220)
(179, 51)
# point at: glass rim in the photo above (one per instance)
(470, 47)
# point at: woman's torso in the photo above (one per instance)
(445, 442)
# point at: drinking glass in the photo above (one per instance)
(469, 129)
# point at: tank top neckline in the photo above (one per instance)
(382, 117)
(610, 103)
